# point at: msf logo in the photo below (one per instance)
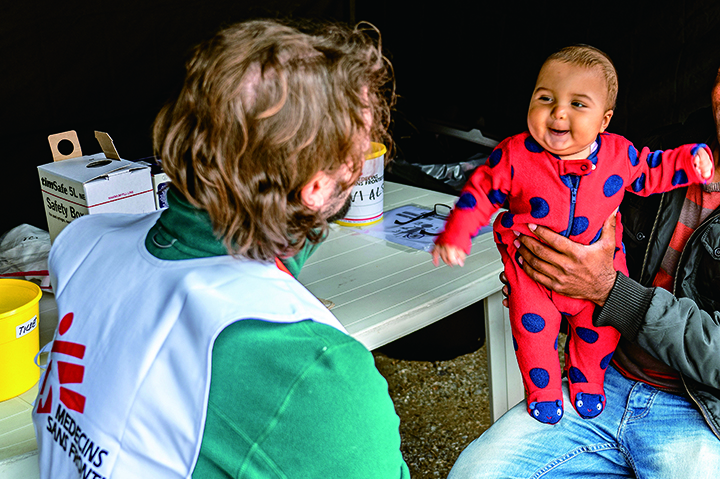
(69, 373)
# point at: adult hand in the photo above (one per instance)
(505, 290)
(569, 268)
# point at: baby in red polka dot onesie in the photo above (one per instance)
(568, 174)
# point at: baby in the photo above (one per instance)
(570, 175)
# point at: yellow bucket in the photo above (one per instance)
(19, 336)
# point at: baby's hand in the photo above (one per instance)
(451, 255)
(703, 164)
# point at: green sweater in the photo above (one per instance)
(286, 400)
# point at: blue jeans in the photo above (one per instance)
(643, 433)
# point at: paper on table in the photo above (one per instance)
(419, 231)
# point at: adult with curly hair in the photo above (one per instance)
(202, 356)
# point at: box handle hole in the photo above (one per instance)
(98, 163)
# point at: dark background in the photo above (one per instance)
(109, 66)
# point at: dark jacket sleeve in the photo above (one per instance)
(673, 330)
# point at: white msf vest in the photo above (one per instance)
(126, 390)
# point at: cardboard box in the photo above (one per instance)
(160, 181)
(75, 185)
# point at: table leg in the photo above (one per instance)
(506, 387)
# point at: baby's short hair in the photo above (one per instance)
(590, 57)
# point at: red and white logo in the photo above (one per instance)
(68, 372)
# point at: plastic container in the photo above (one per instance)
(19, 336)
(367, 194)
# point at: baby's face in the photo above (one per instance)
(567, 109)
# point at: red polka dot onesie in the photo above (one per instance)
(573, 198)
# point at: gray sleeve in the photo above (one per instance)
(673, 330)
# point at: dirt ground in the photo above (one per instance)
(437, 379)
(443, 406)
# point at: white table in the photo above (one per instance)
(383, 291)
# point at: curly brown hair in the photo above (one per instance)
(265, 106)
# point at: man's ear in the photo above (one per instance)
(317, 191)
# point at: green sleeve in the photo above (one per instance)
(297, 400)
